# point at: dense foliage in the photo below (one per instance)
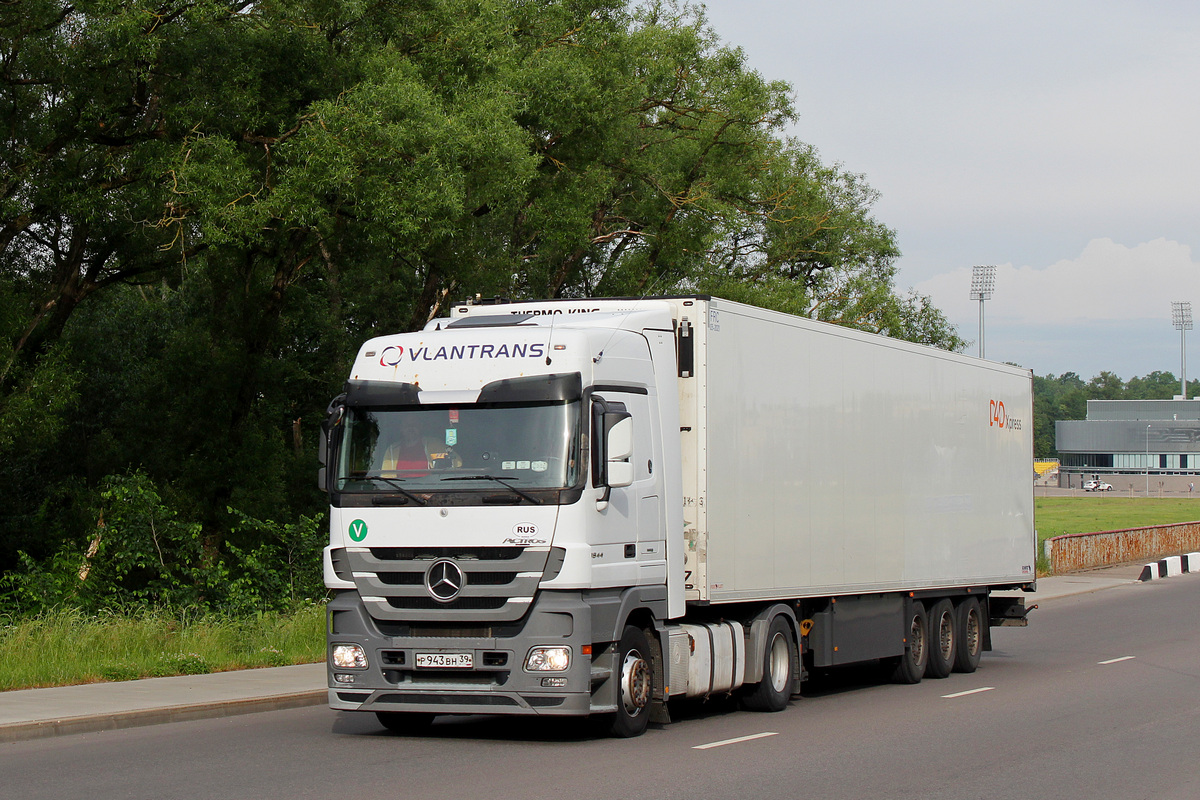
(206, 204)
(1066, 396)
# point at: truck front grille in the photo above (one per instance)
(456, 553)
(498, 583)
(418, 578)
(462, 604)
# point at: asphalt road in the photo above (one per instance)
(1098, 698)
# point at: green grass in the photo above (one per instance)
(1055, 516)
(67, 647)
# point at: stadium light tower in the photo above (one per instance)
(1181, 318)
(983, 280)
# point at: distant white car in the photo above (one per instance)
(1097, 486)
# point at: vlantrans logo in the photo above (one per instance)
(391, 356)
(394, 355)
(999, 418)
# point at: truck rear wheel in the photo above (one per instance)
(779, 658)
(943, 639)
(969, 622)
(635, 690)
(910, 667)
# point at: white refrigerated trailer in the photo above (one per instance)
(595, 506)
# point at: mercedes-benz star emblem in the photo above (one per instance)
(444, 580)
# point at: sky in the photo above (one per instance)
(1058, 141)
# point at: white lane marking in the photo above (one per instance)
(711, 745)
(1116, 660)
(969, 691)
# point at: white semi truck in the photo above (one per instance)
(591, 507)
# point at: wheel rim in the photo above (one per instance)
(916, 640)
(635, 683)
(972, 632)
(946, 635)
(779, 663)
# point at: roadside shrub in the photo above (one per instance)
(143, 555)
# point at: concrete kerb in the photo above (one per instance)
(60, 710)
(1171, 566)
(115, 720)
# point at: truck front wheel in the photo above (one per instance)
(635, 690)
(772, 693)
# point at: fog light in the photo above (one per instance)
(548, 659)
(348, 656)
(343, 678)
(554, 683)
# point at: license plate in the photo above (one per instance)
(445, 660)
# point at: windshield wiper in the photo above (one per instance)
(394, 483)
(502, 481)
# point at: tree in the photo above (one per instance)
(205, 206)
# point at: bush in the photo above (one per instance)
(142, 555)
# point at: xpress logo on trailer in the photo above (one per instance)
(999, 418)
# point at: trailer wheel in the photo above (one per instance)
(635, 690)
(910, 667)
(943, 639)
(968, 619)
(779, 659)
(404, 721)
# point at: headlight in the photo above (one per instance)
(548, 659)
(349, 656)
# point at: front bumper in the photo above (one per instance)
(497, 683)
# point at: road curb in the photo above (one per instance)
(1171, 566)
(43, 728)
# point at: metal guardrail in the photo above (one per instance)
(1078, 551)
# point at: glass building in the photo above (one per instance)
(1142, 437)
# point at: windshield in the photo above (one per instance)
(499, 447)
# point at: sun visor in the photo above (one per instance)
(494, 321)
(382, 393)
(560, 388)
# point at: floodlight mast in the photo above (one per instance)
(983, 281)
(1181, 319)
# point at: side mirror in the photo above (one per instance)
(612, 447)
(329, 426)
(618, 450)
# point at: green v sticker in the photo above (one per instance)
(358, 530)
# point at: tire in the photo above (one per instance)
(405, 722)
(969, 622)
(634, 671)
(910, 667)
(943, 639)
(778, 669)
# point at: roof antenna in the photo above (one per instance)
(628, 311)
